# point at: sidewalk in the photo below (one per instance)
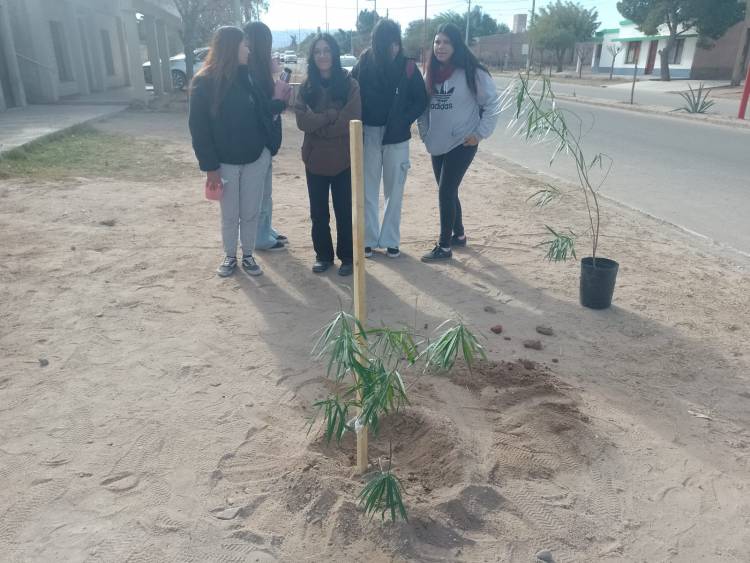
(20, 126)
(672, 86)
(712, 118)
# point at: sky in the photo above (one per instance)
(291, 15)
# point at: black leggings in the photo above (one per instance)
(340, 187)
(449, 170)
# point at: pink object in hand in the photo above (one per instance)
(214, 190)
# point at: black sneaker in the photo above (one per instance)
(321, 266)
(282, 239)
(227, 267)
(278, 245)
(437, 254)
(251, 266)
(346, 270)
(393, 252)
(368, 251)
(455, 241)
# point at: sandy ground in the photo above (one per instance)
(170, 421)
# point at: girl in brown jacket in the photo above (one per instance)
(328, 100)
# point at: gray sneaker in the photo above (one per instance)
(227, 267)
(251, 266)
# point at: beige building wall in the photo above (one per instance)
(75, 47)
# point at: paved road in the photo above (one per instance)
(694, 175)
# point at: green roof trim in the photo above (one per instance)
(627, 22)
(608, 31)
(651, 38)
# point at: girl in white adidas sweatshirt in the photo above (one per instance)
(463, 110)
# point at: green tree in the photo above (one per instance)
(559, 26)
(366, 21)
(200, 18)
(709, 18)
(413, 39)
(481, 24)
(344, 39)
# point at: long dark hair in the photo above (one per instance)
(221, 63)
(259, 40)
(339, 83)
(462, 58)
(385, 33)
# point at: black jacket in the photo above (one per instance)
(236, 135)
(391, 99)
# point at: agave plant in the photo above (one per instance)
(365, 366)
(538, 117)
(696, 101)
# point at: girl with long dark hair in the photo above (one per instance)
(393, 97)
(274, 96)
(463, 110)
(328, 100)
(230, 143)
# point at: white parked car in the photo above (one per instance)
(348, 62)
(177, 68)
(290, 57)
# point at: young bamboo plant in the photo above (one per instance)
(365, 366)
(537, 117)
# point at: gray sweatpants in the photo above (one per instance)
(391, 163)
(244, 185)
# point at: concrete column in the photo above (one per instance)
(97, 57)
(11, 60)
(133, 52)
(41, 60)
(122, 45)
(157, 77)
(78, 59)
(163, 41)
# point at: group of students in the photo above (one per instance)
(235, 123)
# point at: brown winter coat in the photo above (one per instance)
(325, 150)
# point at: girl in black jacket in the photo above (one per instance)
(230, 142)
(393, 97)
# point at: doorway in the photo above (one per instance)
(651, 62)
(597, 57)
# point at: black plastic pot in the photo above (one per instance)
(598, 282)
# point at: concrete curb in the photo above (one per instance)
(63, 130)
(659, 110)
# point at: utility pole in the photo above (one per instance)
(742, 52)
(531, 45)
(468, 19)
(237, 9)
(356, 24)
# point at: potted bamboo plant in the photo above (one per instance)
(537, 117)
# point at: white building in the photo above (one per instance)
(52, 49)
(687, 59)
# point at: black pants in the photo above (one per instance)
(341, 193)
(449, 170)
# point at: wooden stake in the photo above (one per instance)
(358, 241)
